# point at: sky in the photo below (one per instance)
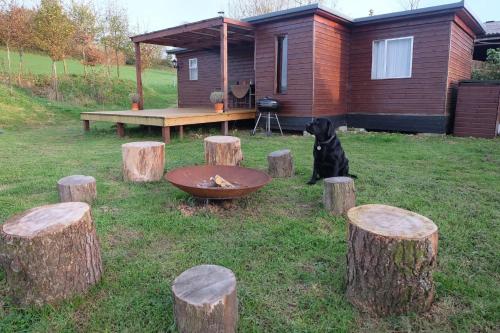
(150, 15)
(159, 14)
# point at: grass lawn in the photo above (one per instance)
(288, 254)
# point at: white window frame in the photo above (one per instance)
(385, 59)
(195, 66)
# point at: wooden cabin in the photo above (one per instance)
(392, 72)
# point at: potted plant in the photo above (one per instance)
(217, 99)
(135, 98)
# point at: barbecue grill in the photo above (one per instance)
(269, 107)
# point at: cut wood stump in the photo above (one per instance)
(77, 188)
(280, 164)
(143, 161)
(391, 255)
(339, 195)
(223, 150)
(205, 300)
(50, 253)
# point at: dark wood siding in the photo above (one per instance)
(331, 67)
(197, 93)
(478, 110)
(297, 101)
(460, 63)
(422, 94)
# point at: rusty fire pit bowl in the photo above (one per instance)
(193, 180)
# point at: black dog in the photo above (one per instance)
(329, 157)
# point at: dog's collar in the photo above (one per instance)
(326, 142)
(318, 146)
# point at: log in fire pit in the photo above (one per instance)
(217, 181)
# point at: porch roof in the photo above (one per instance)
(201, 34)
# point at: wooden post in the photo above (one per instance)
(339, 195)
(181, 132)
(50, 253)
(223, 65)
(224, 128)
(205, 300)
(120, 129)
(138, 74)
(165, 133)
(391, 254)
(86, 125)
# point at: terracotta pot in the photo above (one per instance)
(135, 106)
(219, 107)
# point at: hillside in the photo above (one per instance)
(27, 106)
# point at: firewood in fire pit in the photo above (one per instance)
(221, 182)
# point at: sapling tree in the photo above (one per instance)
(85, 19)
(22, 22)
(116, 34)
(53, 33)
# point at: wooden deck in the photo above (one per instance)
(166, 118)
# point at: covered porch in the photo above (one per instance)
(207, 37)
(215, 49)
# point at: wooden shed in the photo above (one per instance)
(478, 109)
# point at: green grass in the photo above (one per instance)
(288, 254)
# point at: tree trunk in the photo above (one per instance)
(77, 188)
(20, 73)
(223, 150)
(117, 64)
(339, 195)
(280, 163)
(205, 300)
(65, 67)
(9, 64)
(54, 79)
(107, 61)
(391, 255)
(143, 161)
(50, 253)
(84, 61)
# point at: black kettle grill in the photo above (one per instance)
(270, 108)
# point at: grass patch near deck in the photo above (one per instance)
(288, 254)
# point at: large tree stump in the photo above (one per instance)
(205, 300)
(280, 163)
(77, 188)
(391, 255)
(143, 161)
(339, 195)
(50, 253)
(223, 150)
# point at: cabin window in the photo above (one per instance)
(193, 69)
(281, 64)
(392, 58)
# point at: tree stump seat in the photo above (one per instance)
(77, 188)
(143, 161)
(205, 300)
(391, 255)
(339, 195)
(280, 164)
(223, 150)
(50, 253)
